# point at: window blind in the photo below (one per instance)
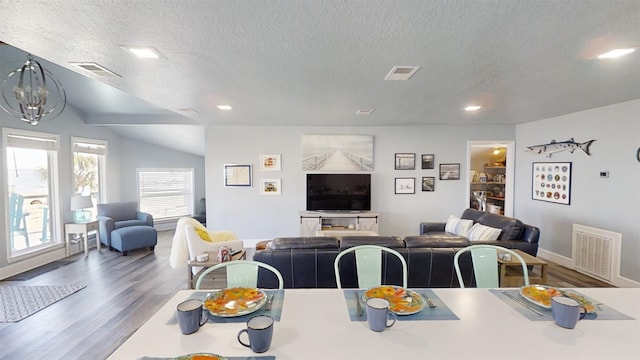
(166, 193)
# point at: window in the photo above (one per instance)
(166, 193)
(89, 164)
(32, 189)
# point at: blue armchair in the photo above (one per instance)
(113, 216)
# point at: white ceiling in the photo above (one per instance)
(317, 62)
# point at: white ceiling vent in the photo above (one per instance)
(95, 69)
(364, 111)
(401, 72)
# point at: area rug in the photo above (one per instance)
(18, 302)
(38, 271)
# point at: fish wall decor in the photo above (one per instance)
(553, 147)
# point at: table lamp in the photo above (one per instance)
(78, 205)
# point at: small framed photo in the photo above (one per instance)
(237, 175)
(450, 171)
(405, 161)
(270, 187)
(428, 183)
(405, 185)
(270, 162)
(427, 161)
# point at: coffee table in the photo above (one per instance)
(511, 271)
(192, 278)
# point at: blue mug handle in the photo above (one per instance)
(205, 317)
(582, 313)
(393, 315)
(240, 341)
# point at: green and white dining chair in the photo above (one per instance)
(485, 264)
(242, 273)
(369, 265)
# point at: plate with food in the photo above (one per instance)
(540, 294)
(201, 356)
(401, 301)
(589, 305)
(235, 301)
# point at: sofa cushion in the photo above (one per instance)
(304, 242)
(127, 223)
(387, 241)
(458, 226)
(436, 240)
(511, 228)
(483, 232)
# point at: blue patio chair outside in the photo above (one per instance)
(17, 217)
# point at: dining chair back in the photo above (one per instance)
(242, 273)
(18, 217)
(369, 265)
(485, 264)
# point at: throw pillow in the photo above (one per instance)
(482, 232)
(204, 235)
(458, 226)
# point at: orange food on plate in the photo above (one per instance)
(205, 357)
(400, 301)
(233, 300)
(540, 294)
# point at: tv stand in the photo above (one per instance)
(342, 222)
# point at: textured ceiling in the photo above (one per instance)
(317, 62)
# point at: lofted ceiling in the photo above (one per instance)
(304, 63)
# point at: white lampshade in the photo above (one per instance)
(79, 202)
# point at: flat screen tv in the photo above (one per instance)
(338, 192)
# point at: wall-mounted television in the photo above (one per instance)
(338, 192)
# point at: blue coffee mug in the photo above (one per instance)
(191, 315)
(378, 314)
(260, 332)
(566, 311)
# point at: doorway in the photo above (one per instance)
(491, 176)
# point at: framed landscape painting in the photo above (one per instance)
(405, 161)
(450, 171)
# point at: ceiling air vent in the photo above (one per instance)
(364, 111)
(95, 69)
(401, 72)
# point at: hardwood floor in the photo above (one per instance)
(122, 293)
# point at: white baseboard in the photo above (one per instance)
(618, 280)
(32, 263)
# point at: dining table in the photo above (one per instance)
(467, 323)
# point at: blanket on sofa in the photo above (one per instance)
(179, 250)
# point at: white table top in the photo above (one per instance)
(488, 328)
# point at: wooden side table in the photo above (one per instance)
(192, 278)
(82, 228)
(511, 270)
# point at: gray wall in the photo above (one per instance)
(607, 203)
(255, 216)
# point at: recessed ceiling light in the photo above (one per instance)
(616, 53)
(364, 111)
(473, 108)
(143, 52)
(225, 107)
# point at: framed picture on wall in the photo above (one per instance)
(270, 187)
(450, 171)
(551, 182)
(405, 161)
(428, 183)
(270, 162)
(405, 185)
(427, 161)
(237, 175)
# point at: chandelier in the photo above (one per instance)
(32, 93)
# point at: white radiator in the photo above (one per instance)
(596, 252)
